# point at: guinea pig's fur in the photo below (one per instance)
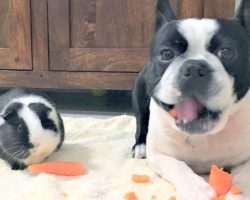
(31, 128)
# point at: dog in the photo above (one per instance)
(200, 69)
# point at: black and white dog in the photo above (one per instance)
(200, 68)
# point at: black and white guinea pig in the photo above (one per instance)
(31, 128)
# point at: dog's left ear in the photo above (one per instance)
(242, 14)
(164, 13)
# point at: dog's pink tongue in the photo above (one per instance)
(187, 110)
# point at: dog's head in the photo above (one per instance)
(199, 67)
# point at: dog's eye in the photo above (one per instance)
(226, 53)
(167, 55)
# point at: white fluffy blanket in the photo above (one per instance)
(104, 146)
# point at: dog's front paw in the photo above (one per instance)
(139, 151)
(195, 188)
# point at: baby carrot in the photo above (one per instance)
(130, 196)
(221, 181)
(140, 178)
(173, 112)
(63, 168)
(223, 197)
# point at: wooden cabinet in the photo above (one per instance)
(99, 35)
(83, 44)
(15, 35)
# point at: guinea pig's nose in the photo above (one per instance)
(29, 145)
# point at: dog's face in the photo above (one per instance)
(200, 67)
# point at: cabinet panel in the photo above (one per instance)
(190, 8)
(15, 35)
(219, 8)
(100, 35)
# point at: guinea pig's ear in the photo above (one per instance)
(7, 115)
(40, 109)
(164, 13)
(11, 111)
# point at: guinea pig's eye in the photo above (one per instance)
(225, 53)
(19, 128)
(167, 55)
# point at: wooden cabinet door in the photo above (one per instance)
(99, 35)
(204, 8)
(15, 35)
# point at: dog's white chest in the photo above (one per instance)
(226, 148)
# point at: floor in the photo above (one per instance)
(92, 103)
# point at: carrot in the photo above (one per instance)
(153, 197)
(223, 197)
(221, 181)
(173, 112)
(130, 196)
(235, 190)
(172, 198)
(140, 178)
(58, 168)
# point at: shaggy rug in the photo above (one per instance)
(104, 146)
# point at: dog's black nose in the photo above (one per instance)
(194, 77)
(195, 69)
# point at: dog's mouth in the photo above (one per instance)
(191, 116)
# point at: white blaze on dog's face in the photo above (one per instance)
(202, 68)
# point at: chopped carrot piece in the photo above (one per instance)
(235, 190)
(173, 112)
(140, 178)
(223, 197)
(220, 180)
(172, 198)
(153, 197)
(130, 196)
(58, 168)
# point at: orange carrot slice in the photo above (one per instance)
(153, 197)
(235, 190)
(63, 168)
(140, 178)
(173, 112)
(221, 181)
(130, 196)
(172, 198)
(223, 197)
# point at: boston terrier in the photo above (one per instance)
(200, 69)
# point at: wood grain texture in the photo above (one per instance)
(219, 8)
(20, 34)
(83, 23)
(59, 40)
(122, 23)
(107, 60)
(190, 8)
(39, 35)
(67, 80)
(18, 55)
(4, 23)
(133, 26)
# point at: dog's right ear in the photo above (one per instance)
(164, 13)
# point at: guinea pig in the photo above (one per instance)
(31, 128)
